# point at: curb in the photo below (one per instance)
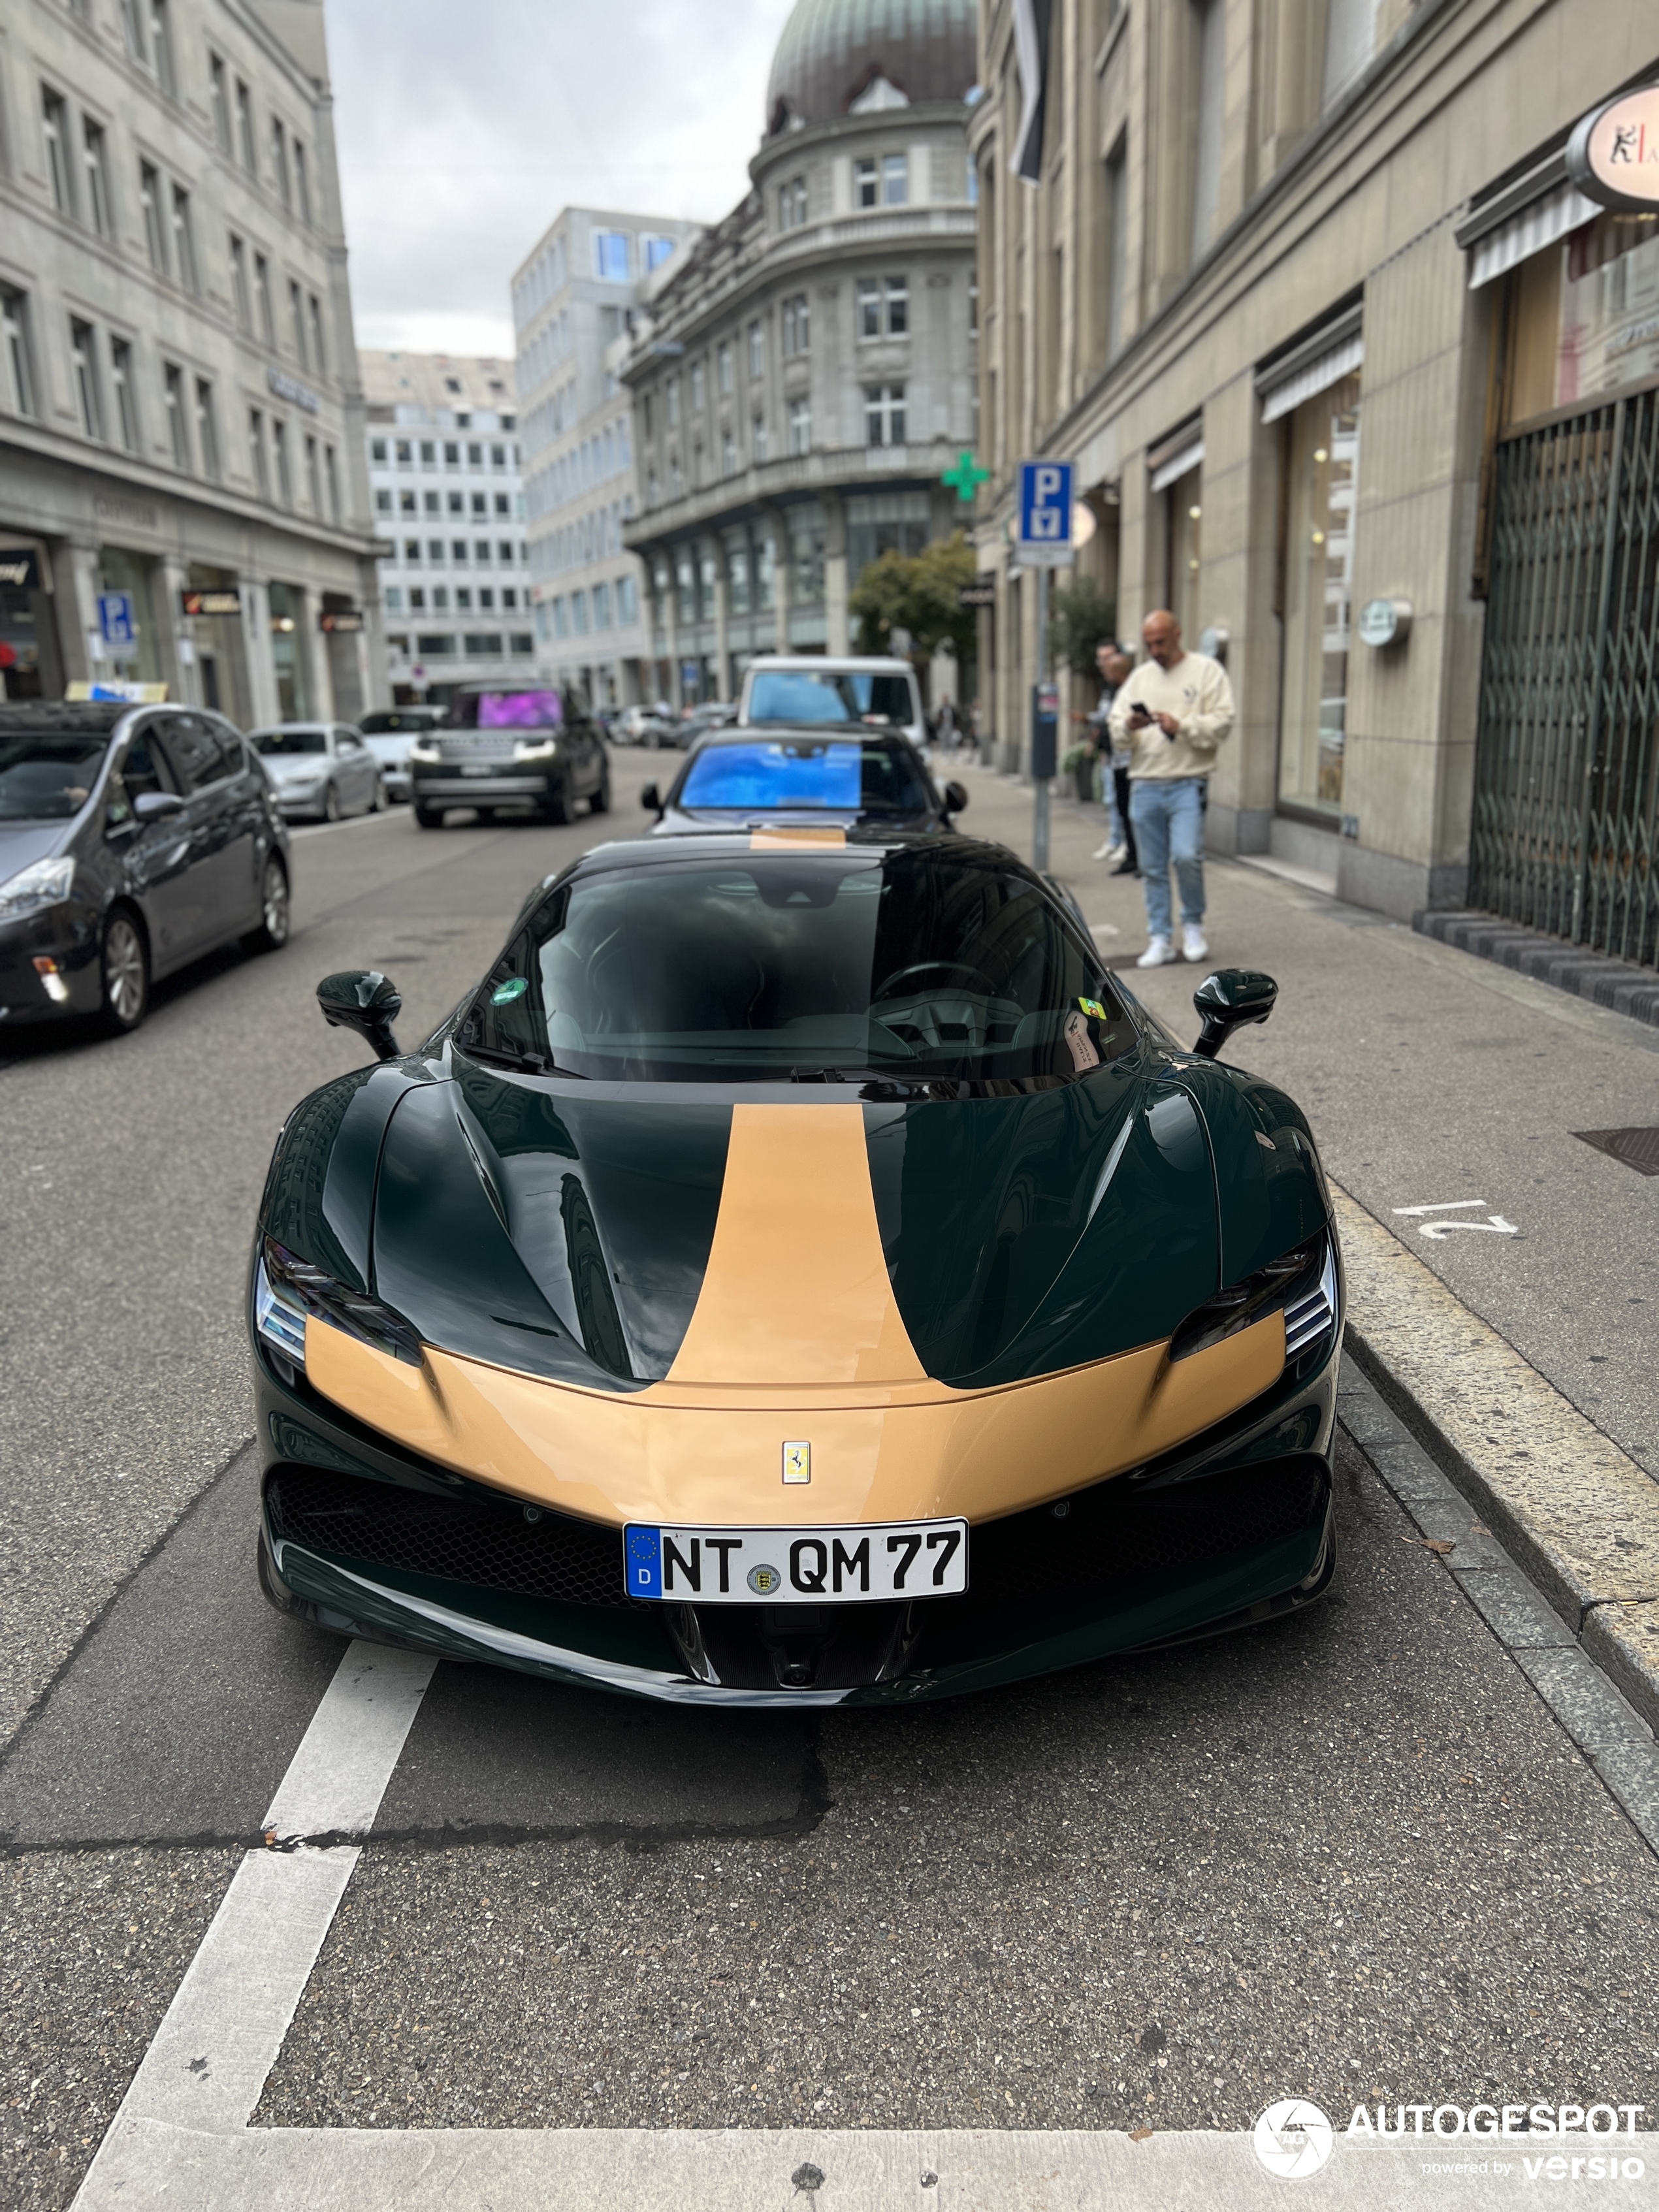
(1617, 985)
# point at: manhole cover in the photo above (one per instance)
(1637, 1148)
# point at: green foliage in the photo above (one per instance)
(918, 593)
(1080, 617)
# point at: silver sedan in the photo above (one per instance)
(320, 769)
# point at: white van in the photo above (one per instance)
(808, 688)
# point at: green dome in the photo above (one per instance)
(833, 51)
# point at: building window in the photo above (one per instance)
(895, 179)
(149, 200)
(866, 185)
(757, 438)
(627, 600)
(132, 22)
(601, 606)
(883, 307)
(498, 457)
(561, 619)
(284, 474)
(83, 360)
(220, 87)
(441, 599)
(244, 129)
(723, 368)
(383, 502)
(405, 452)
(728, 453)
(521, 644)
(883, 414)
(411, 552)
(428, 453)
(1116, 228)
(463, 601)
(126, 395)
(509, 597)
(206, 429)
(579, 612)
(610, 257)
(417, 599)
(93, 156)
(1319, 566)
(184, 240)
(54, 129)
(160, 47)
(791, 204)
(302, 184)
(377, 451)
(1210, 28)
(394, 601)
(256, 451)
(279, 162)
(15, 331)
(474, 456)
(297, 317)
(319, 351)
(262, 293)
(897, 301)
(656, 250)
(503, 505)
(797, 326)
(434, 551)
(241, 298)
(504, 552)
(800, 426)
(671, 398)
(699, 391)
(313, 476)
(458, 551)
(172, 391)
(757, 350)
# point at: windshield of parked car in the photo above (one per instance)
(803, 775)
(506, 710)
(48, 777)
(920, 965)
(272, 742)
(827, 695)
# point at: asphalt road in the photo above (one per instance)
(1351, 1856)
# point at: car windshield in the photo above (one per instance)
(506, 710)
(272, 742)
(827, 695)
(47, 777)
(390, 721)
(806, 775)
(918, 965)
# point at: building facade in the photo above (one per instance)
(1302, 288)
(803, 375)
(183, 497)
(444, 462)
(574, 301)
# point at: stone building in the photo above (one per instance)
(1302, 289)
(444, 475)
(181, 416)
(803, 375)
(574, 300)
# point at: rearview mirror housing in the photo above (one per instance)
(157, 805)
(956, 797)
(1228, 1000)
(649, 799)
(362, 1000)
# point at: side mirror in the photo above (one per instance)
(1227, 1000)
(649, 800)
(365, 1000)
(157, 805)
(955, 797)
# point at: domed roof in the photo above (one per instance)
(833, 52)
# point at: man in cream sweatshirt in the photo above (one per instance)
(1172, 713)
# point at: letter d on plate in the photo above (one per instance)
(644, 1562)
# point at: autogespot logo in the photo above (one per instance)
(1293, 2139)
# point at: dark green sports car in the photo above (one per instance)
(798, 1272)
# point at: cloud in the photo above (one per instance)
(463, 131)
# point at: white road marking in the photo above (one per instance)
(337, 1778)
(1452, 1205)
(1494, 1223)
(350, 822)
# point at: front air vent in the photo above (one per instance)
(1307, 1318)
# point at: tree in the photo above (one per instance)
(920, 594)
(1080, 617)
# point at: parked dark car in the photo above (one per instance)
(132, 841)
(530, 750)
(810, 777)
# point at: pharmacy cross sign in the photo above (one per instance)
(965, 478)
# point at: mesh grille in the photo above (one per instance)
(376, 1524)
(1116, 1533)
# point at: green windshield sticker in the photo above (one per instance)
(1093, 1008)
(514, 988)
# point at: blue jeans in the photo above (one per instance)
(1169, 826)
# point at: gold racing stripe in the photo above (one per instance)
(780, 840)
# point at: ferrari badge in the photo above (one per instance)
(797, 1462)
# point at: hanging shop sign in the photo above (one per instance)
(1385, 622)
(19, 567)
(228, 600)
(347, 621)
(1613, 154)
(981, 593)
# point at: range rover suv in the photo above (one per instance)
(508, 749)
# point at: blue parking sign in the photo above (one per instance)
(1045, 507)
(115, 618)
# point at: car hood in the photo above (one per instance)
(293, 768)
(737, 1241)
(23, 843)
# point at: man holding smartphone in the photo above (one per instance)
(1173, 714)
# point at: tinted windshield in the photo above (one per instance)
(806, 773)
(827, 695)
(270, 742)
(394, 719)
(47, 778)
(506, 710)
(786, 966)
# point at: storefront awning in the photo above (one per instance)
(1171, 458)
(1321, 358)
(1528, 231)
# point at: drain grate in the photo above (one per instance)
(1637, 1148)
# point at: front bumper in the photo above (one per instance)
(449, 787)
(303, 805)
(67, 935)
(364, 1538)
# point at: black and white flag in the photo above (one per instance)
(1031, 50)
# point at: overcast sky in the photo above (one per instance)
(463, 130)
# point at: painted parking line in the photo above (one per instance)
(351, 821)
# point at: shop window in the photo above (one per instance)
(288, 651)
(1582, 318)
(1322, 455)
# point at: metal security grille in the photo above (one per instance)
(1566, 805)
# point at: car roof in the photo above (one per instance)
(879, 664)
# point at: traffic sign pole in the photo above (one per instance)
(1043, 768)
(1044, 542)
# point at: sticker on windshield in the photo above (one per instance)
(514, 988)
(1084, 1055)
(1093, 1008)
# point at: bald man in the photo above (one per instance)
(1172, 714)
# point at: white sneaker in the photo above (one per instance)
(1192, 946)
(1158, 954)
(1107, 852)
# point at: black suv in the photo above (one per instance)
(523, 749)
(132, 841)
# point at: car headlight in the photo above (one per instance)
(286, 1289)
(536, 749)
(43, 884)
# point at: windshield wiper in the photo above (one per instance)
(527, 1063)
(859, 1075)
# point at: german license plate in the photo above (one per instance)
(798, 1567)
(478, 768)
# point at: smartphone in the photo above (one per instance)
(1138, 714)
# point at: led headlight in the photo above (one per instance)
(536, 749)
(287, 1290)
(43, 884)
